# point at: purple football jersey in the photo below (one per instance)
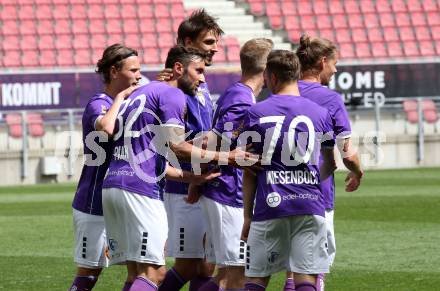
(198, 119)
(332, 101)
(88, 196)
(291, 130)
(228, 122)
(138, 162)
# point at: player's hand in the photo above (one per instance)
(125, 93)
(201, 179)
(241, 158)
(193, 194)
(165, 75)
(245, 229)
(352, 181)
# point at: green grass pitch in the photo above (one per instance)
(388, 236)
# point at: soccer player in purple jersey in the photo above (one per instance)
(187, 229)
(286, 228)
(318, 58)
(120, 69)
(222, 197)
(134, 212)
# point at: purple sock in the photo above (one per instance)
(210, 286)
(127, 286)
(305, 287)
(83, 283)
(172, 282)
(320, 282)
(142, 284)
(254, 287)
(289, 285)
(198, 282)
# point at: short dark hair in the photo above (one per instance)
(312, 50)
(197, 22)
(284, 65)
(253, 55)
(183, 55)
(113, 55)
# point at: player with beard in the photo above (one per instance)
(120, 69)
(150, 128)
(318, 58)
(186, 227)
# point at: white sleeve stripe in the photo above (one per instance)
(173, 125)
(343, 136)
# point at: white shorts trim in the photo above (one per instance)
(136, 226)
(186, 227)
(224, 224)
(90, 240)
(294, 243)
(331, 239)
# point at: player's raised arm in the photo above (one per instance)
(350, 158)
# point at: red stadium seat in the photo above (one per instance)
(386, 20)
(346, 51)
(13, 120)
(327, 34)
(113, 26)
(430, 113)
(220, 56)
(340, 21)
(257, 8)
(371, 19)
(343, 35)
(336, 7)
(363, 50)
(406, 33)
(422, 33)
(395, 49)
(390, 34)
(29, 58)
(63, 41)
(410, 109)
(130, 25)
(82, 57)
(10, 43)
(149, 40)
(79, 26)
(161, 10)
(233, 55)
(427, 49)
(65, 57)
(9, 12)
(379, 50)
(435, 32)
(147, 25)
(133, 40)
(44, 12)
(359, 35)
(144, 11)
(26, 12)
(367, 7)
(62, 26)
(61, 11)
(410, 48)
(97, 26)
(45, 27)
(129, 11)
(355, 21)
(418, 19)
(166, 40)
(95, 11)
(81, 41)
(289, 9)
(163, 53)
(324, 22)
(375, 34)
(320, 7)
(291, 23)
(231, 42)
(177, 11)
(437, 46)
(308, 22)
(273, 9)
(276, 22)
(414, 6)
(78, 11)
(304, 7)
(163, 25)
(46, 42)
(433, 18)
(28, 42)
(112, 11)
(114, 38)
(35, 124)
(382, 6)
(430, 5)
(402, 19)
(47, 58)
(10, 27)
(28, 27)
(294, 34)
(351, 7)
(11, 58)
(398, 6)
(98, 42)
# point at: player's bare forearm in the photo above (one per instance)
(352, 163)
(349, 156)
(328, 165)
(249, 189)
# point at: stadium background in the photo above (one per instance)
(388, 74)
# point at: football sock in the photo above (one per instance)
(210, 286)
(254, 287)
(305, 287)
(83, 283)
(289, 285)
(142, 284)
(320, 282)
(198, 282)
(172, 282)
(127, 286)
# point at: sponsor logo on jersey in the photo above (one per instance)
(273, 199)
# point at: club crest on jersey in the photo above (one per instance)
(103, 109)
(273, 199)
(201, 97)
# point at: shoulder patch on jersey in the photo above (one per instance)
(103, 109)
